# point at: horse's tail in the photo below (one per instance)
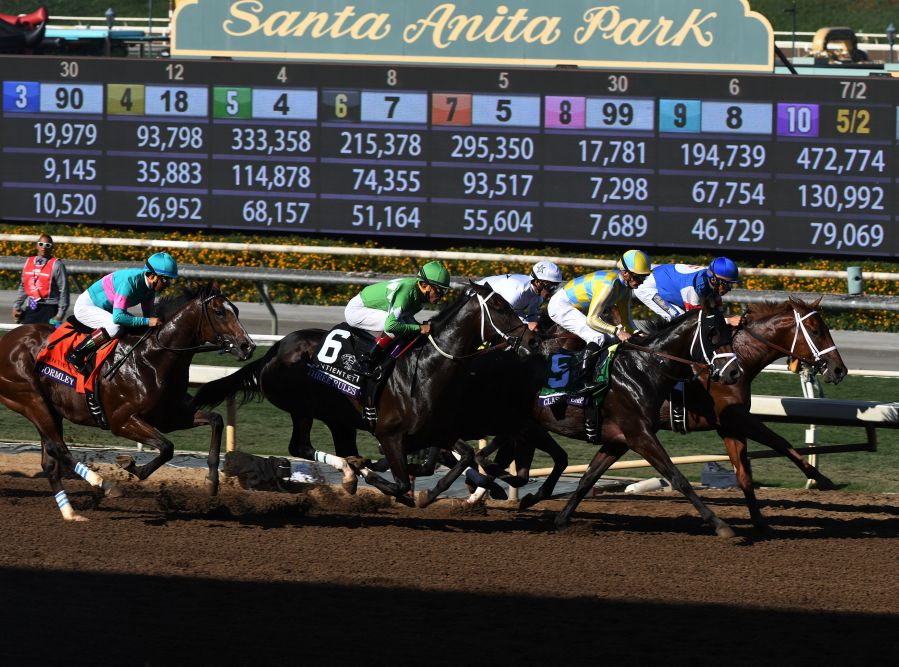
(245, 380)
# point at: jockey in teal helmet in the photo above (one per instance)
(104, 305)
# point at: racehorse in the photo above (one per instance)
(791, 328)
(768, 331)
(419, 406)
(640, 379)
(143, 390)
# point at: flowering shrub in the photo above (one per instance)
(340, 294)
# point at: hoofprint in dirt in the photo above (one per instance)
(300, 573)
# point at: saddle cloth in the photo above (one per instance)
(334, 363)
(564, 378)
(51, 360)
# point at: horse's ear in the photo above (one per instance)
(817, 302)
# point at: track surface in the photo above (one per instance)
(166, 575)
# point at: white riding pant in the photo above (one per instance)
(358, 315)
(566, 315)
(94, 317)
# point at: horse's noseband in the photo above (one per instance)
(703, 331)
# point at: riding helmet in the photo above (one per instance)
(547, 272)
(725, 269)
(635, 261)
(435, 273)
(162, 264)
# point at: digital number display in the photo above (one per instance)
(656, 160)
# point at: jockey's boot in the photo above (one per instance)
(369, 363)
(588, 366)
(78, 356)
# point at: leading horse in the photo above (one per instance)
(144, 395)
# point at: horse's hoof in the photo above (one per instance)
(111, 490)
(824, 484)
(423, 499)
(561, 524)
(405, 500)
(126, 463)
(723, 530)
(528, 502)
(212, 486)
(350, 485)
(76, 517)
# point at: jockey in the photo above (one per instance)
(386, 309)
(583, 306)
(526, 293)
(673, 289)
(104, 305)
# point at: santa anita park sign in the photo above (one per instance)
(633, 34)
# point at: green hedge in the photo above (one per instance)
(310, 294)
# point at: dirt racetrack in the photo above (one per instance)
(167, 575)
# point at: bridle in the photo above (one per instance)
(816, 362)
(698, 338)
(222, 343)
(510, 342)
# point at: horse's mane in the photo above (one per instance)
(169, 305)
(657, 325)
(453, 308)
(766, 308)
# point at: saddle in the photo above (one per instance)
(563, 387)
(336, 364)
(51, 363)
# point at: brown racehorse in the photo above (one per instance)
(769, 331)
(144, 396)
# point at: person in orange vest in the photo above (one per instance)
(43, 295)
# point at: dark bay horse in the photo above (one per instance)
(420, 406)
(144, 397)
(641, 378)
(791, 328)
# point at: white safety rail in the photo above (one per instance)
(162, 244)
(869, 415)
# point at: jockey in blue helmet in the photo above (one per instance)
(673, 289)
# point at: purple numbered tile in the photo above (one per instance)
(797, 120)
(565, 112)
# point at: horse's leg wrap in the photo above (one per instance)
(62, 500)
(88, 475)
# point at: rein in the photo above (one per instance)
(816, 362)
(709, 364)
(199, 348)
(508, 341)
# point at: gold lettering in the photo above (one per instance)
(379, 28)
(703, 38)
(607, 22)
(635, 27)
(445, 27)
(600, 19)
(271, 26)
(254, 7)
(316, 21)
(436, 20)
(548, 34)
